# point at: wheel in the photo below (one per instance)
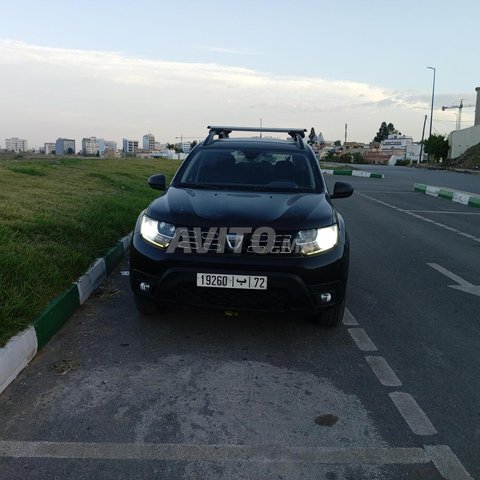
(145, 305)
(330, 317)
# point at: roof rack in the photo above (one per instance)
(224, 131)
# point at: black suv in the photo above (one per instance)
(246, 224)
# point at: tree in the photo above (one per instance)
(312, 137)
(193, 145)
(337, 143)
(170, 146)
(384, 131)
(436, 145)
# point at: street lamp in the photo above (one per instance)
(433, 98)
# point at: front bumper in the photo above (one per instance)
(295, 283)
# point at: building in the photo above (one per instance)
(49, 148)
(65, 146)
(90, 146)
(461, 140)
(186, 147)
(130, 147)
(15, 144)
(395, 144)
(149, 142)
(110, 145)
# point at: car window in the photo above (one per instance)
(250, 169)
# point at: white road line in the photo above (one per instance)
(447, 463)
(383, 371)
(428, 220)
(362, 340)
(443, 211)
(442, 457)
(349, 319)
(214, 453)
(463, 285)
(415, 417)
(450, 275)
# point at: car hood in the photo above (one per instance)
(214, 208)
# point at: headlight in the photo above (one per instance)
(317, 240)
(158, 233)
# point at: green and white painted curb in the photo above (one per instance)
(465, 198)
(353, 173)
(22, 348)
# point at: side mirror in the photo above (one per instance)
(157, 181)
(341, 190)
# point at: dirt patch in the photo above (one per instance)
(469, 160)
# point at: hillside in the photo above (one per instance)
(470, 159)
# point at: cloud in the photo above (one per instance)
(229, 51)
(54, 92)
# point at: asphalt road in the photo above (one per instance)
(391, 394)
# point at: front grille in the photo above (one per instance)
(271, 299)
(206, 241)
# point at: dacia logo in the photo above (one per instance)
(234, 241)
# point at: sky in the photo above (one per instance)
(121, 69)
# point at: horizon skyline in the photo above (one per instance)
(171, 78)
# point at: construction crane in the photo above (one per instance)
(458, 123)
(181, 137)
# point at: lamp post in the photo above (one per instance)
(433, 98)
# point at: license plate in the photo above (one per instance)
(251, 282)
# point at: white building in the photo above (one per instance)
(49, 148)
(110, 145)
(395, 142)
(16, 144)
(149, 142)
(130, 147)
(186, 147)
(90, 146)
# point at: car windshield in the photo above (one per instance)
(251, 170)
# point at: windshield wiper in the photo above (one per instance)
(200, 185)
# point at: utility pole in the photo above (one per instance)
(433, 98)
(421, 143)
(346, 127)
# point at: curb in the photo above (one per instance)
(22, 348)
(354, 173)
(465, 198)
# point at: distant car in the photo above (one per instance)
(246, 224)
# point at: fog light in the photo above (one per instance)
(144, 287)
(325, 297)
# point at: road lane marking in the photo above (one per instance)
(363, 341)
(213, 453)
(442, 457)
(463, 285)
(415, 215)
(383, 371)
(443, 211)
(349, 319)
(447, 463)
(411, 412)
(450, 275)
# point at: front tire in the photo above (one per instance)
(145, 305)
(330, 317)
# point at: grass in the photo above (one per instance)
(329, 166)
(56, 217)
